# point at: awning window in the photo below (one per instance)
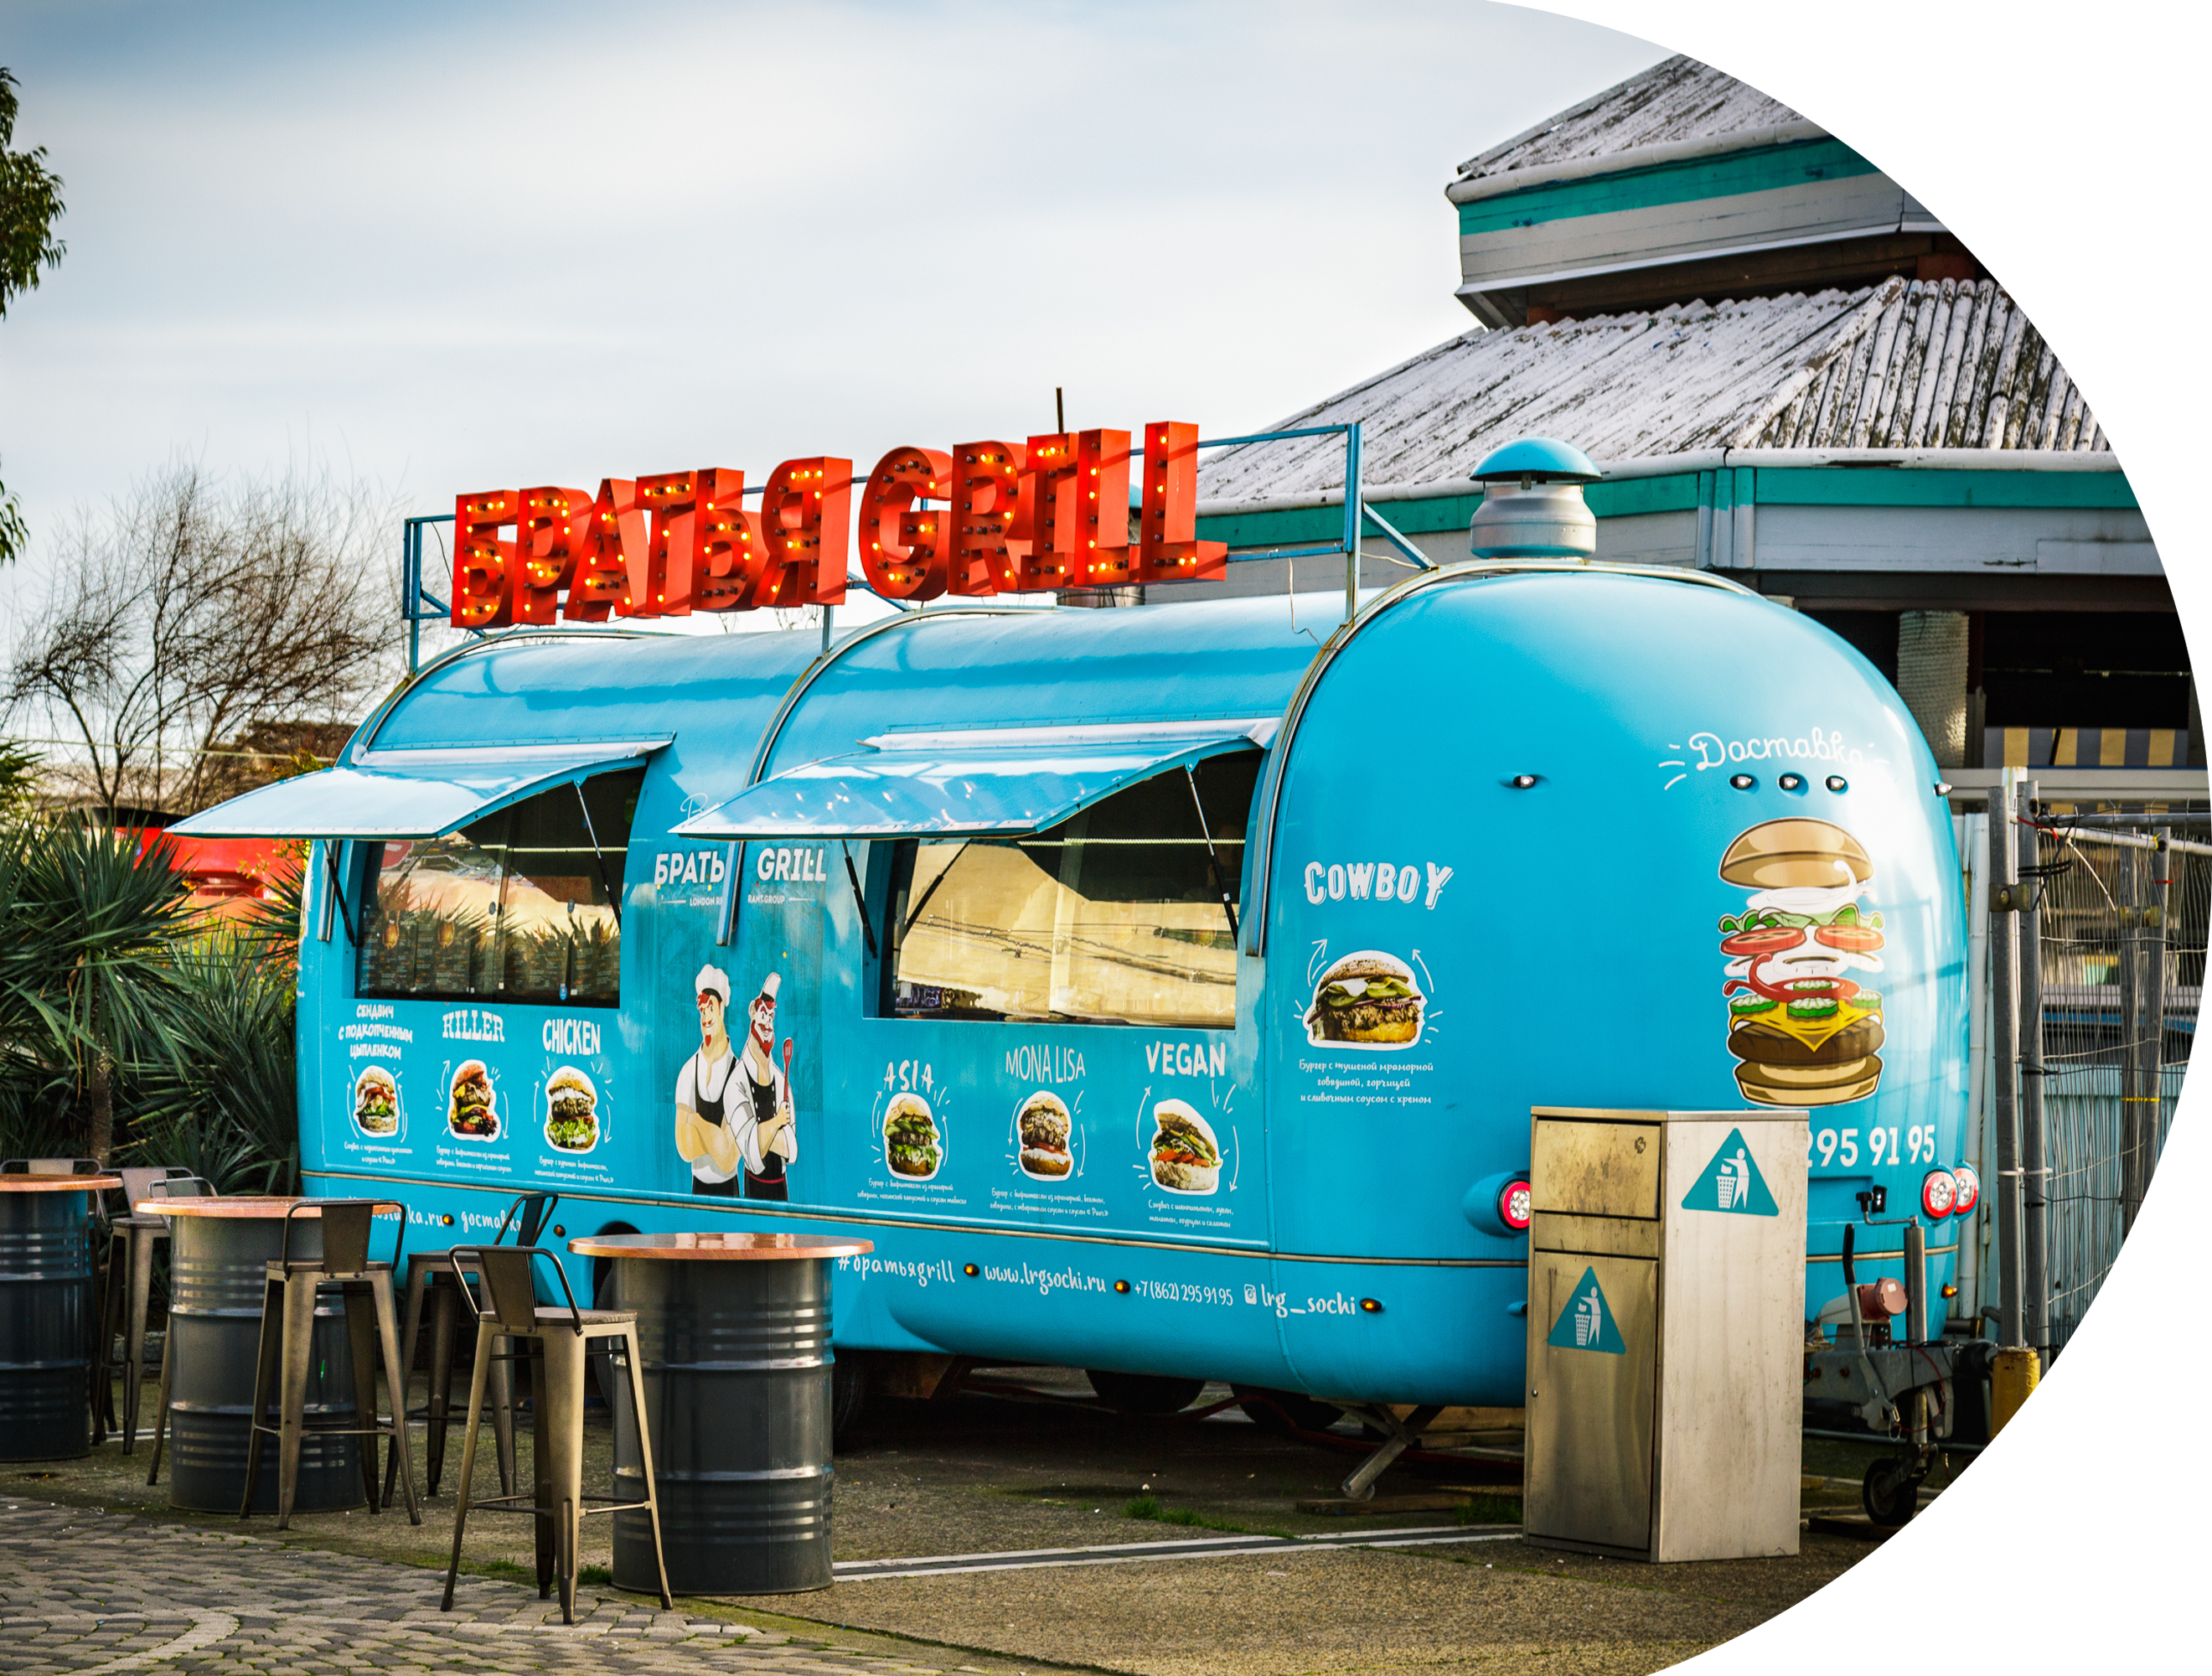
(1002, 780)
(408, 793)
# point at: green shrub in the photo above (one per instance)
(133, 1028)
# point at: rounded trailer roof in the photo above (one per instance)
(953, 668)
(949, 666)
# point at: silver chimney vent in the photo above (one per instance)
(1532, 503)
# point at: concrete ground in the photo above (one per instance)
(990, 1472)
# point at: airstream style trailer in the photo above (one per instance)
(1161, 990)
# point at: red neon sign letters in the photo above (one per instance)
(1002, 518)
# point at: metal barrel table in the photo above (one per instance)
(735, 1333)
(217, 1251)
(46, 1315)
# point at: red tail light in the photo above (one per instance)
(1939, 1193)
(1970, 1189)
(1513, 1206)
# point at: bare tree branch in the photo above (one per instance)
(191, 612)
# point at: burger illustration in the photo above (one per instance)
(474, 1113)
(572, 1110)
(911, 1144)
(1804, 1032)
(1185, 1158)
(1044, 1127)
(376, 1101)
(1368, 997)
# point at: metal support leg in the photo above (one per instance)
(362, 1351)
(161, 1405)
(438, 1405)
(1401, 1435)
(268, 1365)
(502, 1423)
(559, 1402)
(395, 1379)
(139, 1243)
(107, 1306)
(541, 1465)
(633, 1358)
(418, 1272)
(299, 1297)
(468, 1457)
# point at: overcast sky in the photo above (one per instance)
(454, 247)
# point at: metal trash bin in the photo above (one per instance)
(1666, 1332)
(45, 1316)
(734, 1330)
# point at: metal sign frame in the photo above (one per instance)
(418, 605)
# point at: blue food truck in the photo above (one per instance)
(1161, 992)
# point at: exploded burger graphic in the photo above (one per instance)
(1803, 1030)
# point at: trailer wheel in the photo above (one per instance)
(1286, 1411)
(1144, 1393)
(848, 1394)
(1890, 1492)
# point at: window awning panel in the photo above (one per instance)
(956, 784)
(394, 794)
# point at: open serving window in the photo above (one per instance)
(489, 872)
(1086, 875)
(1124, 913)
(522, 905)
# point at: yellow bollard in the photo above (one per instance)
(2013, 1376)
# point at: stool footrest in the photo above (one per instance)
(590, 1503)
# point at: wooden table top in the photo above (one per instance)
(721, 1247)
(243, 1205)
(25, 1183)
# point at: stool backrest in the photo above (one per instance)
(526, 1216)
(346, 1226)
(49, 1167)
(509, 1281)
(346, 1223)
(140, 1182)
(178, 1187)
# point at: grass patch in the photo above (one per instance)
(501, 1568)
(599, 1576)
(1490, 1510)
(1159, 1513)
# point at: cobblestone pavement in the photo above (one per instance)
(88, 1593)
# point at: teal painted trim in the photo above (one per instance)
(1768, 169)
(1270, 529)
(1643, 494)
(1830, 486)
(1722, 491)
(1275, 529)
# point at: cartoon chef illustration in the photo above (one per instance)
(733, 1113)
(767, 1137)
(703, 1137)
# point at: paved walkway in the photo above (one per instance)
(89, 1593)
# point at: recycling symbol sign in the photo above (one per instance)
(1731, 1183)
(1587, 1323)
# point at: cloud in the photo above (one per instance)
(556, 243)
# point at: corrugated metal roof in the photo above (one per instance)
(1904, 364)
(1678, 100)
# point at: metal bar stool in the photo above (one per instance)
(431, 1277)
(126, 1279)
(556, 1339)
(281, 1372)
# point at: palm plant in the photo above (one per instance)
(226, 1105)
(88, 925)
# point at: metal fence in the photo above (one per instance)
(2123, 935)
